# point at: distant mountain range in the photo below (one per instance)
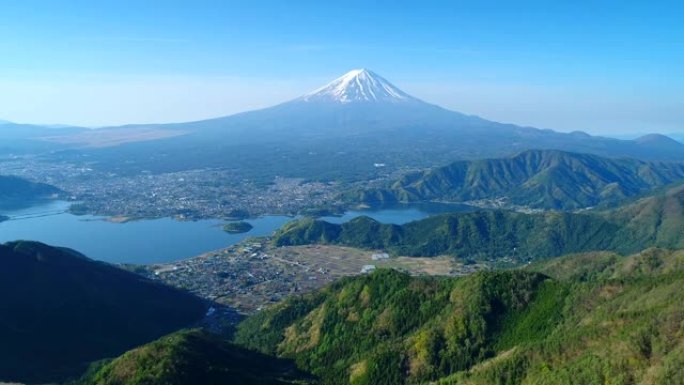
(657, 220)
(341, 130)
(543, 179)
(60, 310)
(27, 138)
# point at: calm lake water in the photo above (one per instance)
(162, 240)
(401, 213)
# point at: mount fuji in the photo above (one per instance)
(359, 102)
(359, 86)
(343, 129)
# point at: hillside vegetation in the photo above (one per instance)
(584, 319)
(545, 179)
(193, 357)
(60, 310)
(653, 221)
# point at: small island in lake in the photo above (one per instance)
(237, 227)
(4, 218)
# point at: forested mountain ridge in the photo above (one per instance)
(544, 179)
(657, 220)
(360, 330)
(582, 319)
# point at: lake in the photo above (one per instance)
(165, 239)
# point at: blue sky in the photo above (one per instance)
(602, 67)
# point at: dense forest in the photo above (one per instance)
(585, 319)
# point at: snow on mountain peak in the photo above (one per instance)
(360, 85)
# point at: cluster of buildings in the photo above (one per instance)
(192, 194)
(246, 276)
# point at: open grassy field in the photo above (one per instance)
(340, 261)
(255, 274)
(108, 137)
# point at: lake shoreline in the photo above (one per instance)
(125, 239)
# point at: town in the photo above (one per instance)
(254, 274)
(184, 195)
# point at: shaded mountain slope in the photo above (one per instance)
(18, 192)
(60, 310)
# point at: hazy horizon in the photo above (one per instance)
(548, 66)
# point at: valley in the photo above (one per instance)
(260, 272)
(163, 240)
(187, 195)
(358, 139)
(223, 193)
(452, 294)
(254, 274)
(532, 317)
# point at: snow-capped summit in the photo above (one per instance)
(359, 85)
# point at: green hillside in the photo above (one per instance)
(652, 221)
(60, 310)
(194, 357)
(584, 319)
(655, 221)
(18, 192)
(545, 179)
